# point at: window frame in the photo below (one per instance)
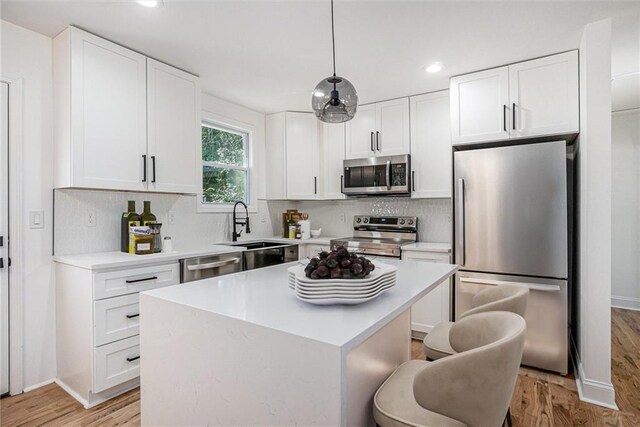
(229, 125)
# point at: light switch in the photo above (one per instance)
(36, 219)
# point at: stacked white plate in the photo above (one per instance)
(342, 291)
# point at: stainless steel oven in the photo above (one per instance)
(385, 175)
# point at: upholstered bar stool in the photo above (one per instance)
(472, 387)
(497, 298)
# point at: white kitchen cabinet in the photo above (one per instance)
(275, 153)
(122, 121)
(380, 129)
(303, 162)
(100, 96)
(361, 133)
(479, 109)
(311, 250)
(435, 306)
(173, 123)
(430, 145)
(97, 327)
(332, 141)
(544, 96)
(528, 99)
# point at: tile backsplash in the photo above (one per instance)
(191, 229)
(434, 215)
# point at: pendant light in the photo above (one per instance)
(334, 100)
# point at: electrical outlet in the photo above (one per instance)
(92, 219)
(263, 217)
(343, 217)
(171, 217)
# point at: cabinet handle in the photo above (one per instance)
(144, 168)
(377, 140)
(341, 183)
(153, 163)
(513, 112)
(504, 118)
(131, 316)
(146, 279)
(315, 185)
(372, 149)
(131, 359)
(413, 180)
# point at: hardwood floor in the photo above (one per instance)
(540, 398)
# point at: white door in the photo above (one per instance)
(333, 148)
(302, 156)
(480, 106)
(431, 154)
(361, 133)
(433, 308)
(4, 240)
(392, 127)
(544, 96)
(108, 114)
(174, 126)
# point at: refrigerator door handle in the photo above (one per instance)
(532, 286)
(460, 249)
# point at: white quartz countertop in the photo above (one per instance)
(116, 259)
(427, 247)
(263, 297)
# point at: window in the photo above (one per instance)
(225, 165)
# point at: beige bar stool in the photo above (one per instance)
(497, 298)
(470, 388)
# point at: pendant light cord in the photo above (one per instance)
(333, 41)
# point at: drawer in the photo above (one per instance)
(116, 363)
(129, 281)
(115, 318)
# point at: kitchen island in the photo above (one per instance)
(243, 350)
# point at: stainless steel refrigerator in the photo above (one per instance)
(512, 210)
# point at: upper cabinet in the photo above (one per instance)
(174, 123)
(332, 143)
(118, 124)
(380, 129)
(528, 99)
(430, 145)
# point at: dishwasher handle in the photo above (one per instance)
(215, 264)
(532, 286)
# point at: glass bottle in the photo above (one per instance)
(147, 217)
(129, 219)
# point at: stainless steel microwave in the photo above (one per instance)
(388, 175)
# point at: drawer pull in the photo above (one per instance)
(131, 359)
(131, 316)
(142, 280)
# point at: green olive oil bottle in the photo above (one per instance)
(129, 219)
(147, 217)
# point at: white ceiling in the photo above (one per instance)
(268, 55)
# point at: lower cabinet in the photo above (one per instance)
(312, 250)
(435, 306)
(97, 327)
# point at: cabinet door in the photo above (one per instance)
(544, 96)
(333, 148)
(431, 145)
(275, 185)
(434, 307)
(108, 114)
(174, 145)
(360, 133)
(302, 156)
(392, 127)
(479, 106)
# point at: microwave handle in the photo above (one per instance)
(388, 174)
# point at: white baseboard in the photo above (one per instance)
(627, 303)
(99, 398)
(592, 391)
(35, 386)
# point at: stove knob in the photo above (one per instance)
(402, 222)
(366, 220)
(410, 222)
(358, 220)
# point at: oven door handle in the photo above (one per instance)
(215, 264)
(388, 174)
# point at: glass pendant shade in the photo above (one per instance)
(334, 100)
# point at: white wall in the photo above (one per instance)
(27, 55)
(593, 337)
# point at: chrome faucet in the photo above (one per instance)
(242, 221)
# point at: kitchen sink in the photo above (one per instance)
(264, 254)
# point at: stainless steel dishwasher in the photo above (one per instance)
(210, 266)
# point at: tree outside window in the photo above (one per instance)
(225, 163)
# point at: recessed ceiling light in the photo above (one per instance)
(149, 3)
(434, 68)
